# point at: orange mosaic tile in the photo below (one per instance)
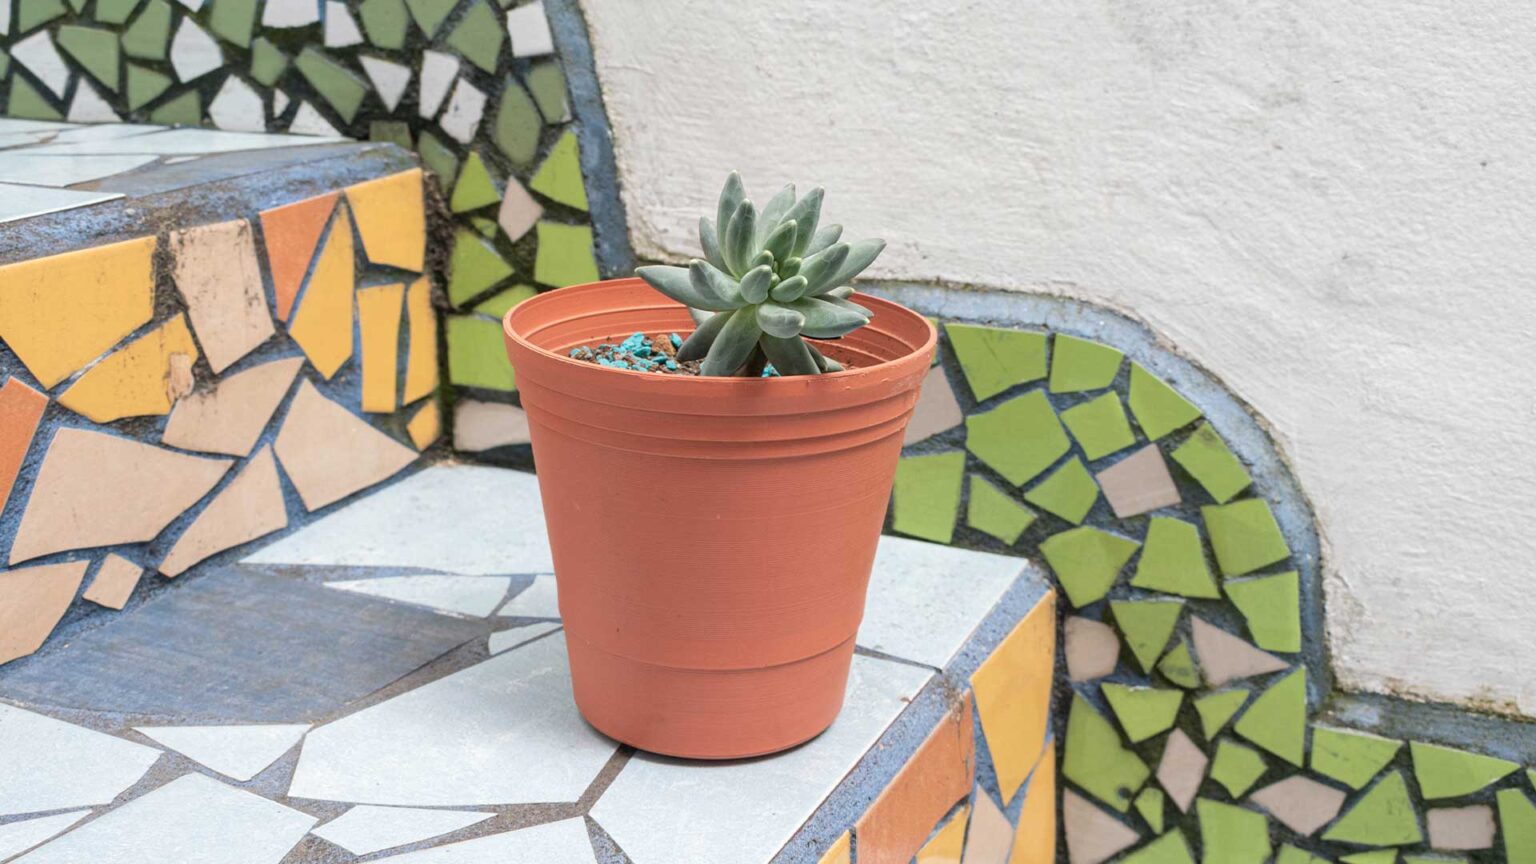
(1013, 695)
(21, 408)
(61, 312)
(229, 418)
(250, 506)
(391, 219)
(322, 472)
(290, 233)
(378, 321)
(136, 380)
(32, 600)
(940, 773)
(421, 335)
(1034, 841)
(322, 325)
(114, 583)
(214, 267)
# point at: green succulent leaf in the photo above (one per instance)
(825, 320)
(731, 196)
(849, 305)
(709, 240)
(754, 285)
(824, 237)
(825, 363)
(761, 259)
(860, 255)
(774, 211)
(779, 321)
(739, 238)
(806, 213)
(789, 290)
(677, 283)
(820, 270)
(780, 241)
(698, 344)
(790, 268)
(713, 289)
(791, 356)
(735, 344)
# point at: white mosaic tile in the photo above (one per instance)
(437, 74)
(474, 596)
(60, 171)
(280, 102)
(529, 29)
(237, 752)
(290, 13)
(389, 79)
(563, 842)
(237, 107)
(191, 820)
(466, 106)
(307, 121)
(5, 17)
(421, 522)
(180, 142)
(366, 829)
(539, 600)
(502, 640)
(504, 731)
(89, 107)
(36, 52)
(193, 52)
(192, 5)
(18, 837)
(944, 589)
(21, 202)
(662, 810)
(340, 27)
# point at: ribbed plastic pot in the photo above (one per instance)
(712, 537)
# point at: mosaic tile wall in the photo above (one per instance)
(1190, 722)
(154, 386)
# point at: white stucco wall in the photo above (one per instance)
(1331, 205)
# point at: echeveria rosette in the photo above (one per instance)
(767, 280)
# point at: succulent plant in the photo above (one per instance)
(767, 280)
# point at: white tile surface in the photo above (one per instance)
(501, 640)
(563, 842)
(437, 73)
(60, 171)
(47, 764)
(474, 596)
(181, 142)
(5, 17)
(88, 106)
(308, 121)
(925, 599)
(422, 522)
(366, 829)
(539, 600)
(290, 13)
(191, 820)
(237, 107)
(529, 30)
(340, 27)
(9, 125)
(663, 810)
(102, 132)
(462, 117)
(18, 837)
(36, 52)
(504, 731)
(237, 752)
(389, 79)
(193, 52)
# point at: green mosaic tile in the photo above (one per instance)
(144, 85)
(502, 303)
(1158, 409)
(1147, 625)
(28, 103)
(438, 157)
(1231, 834)
(518, 124)
(35, 13)
(1069, 492)
(429, 14)
(396, 132)
(5, 62)
(1207, 459)
(547, 84)
(559, 178)
(1217, 708)
(1380, 856)
(478, 35)
(475, 188)
(385, 22)
(1237, 767)
(77, 5)
(1350, 757)
(1244, 536)
(1087, 561)
(184, 110)
(1383, 816)
(1078, 364)
(995, 512)
(477, 354)
(1178, 666)
(1019, 438)
(1291, 855)
(1099, 425)
(1143, 711)
(1272, 607)
(1173, 560)
(115, 11)
(149, 34)
(1096, 760)
(233, 20)
(1444, 772)
(1530, 776)
(1430, 859)
(337, 83)
(1171, 848)
(996, 358)
(486, 227)
(95, 49)
(1277, 719)
(1151, 804)
(268, 63)
(564, 256)
(1517, 821)
(473, 267)
(926, 495)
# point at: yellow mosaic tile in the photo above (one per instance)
(1035, 840)
(426, 426)
(421, 341)
(391, 219)
(841, 851)
(378, 319)
(61, 312)
(1013, 695)
(137, 379)
(948, 842)
(323, 323)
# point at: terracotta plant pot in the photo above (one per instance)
(712, 537)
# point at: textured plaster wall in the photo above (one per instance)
(1330, 205)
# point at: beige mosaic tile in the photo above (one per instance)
(136, 380)
(77, 499)
(519, 211)
(990, 837)
(1225, 658)
(114, 583)
(250, 506)
(322, 472)
(214, 267)
(481, 426)
(1093, 649)
(1301, 803)
(936, 411)
(1461, 828)
(32, 600)
(1093, 836)
(1139, 483)
(229, 418)
(1181, 769)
